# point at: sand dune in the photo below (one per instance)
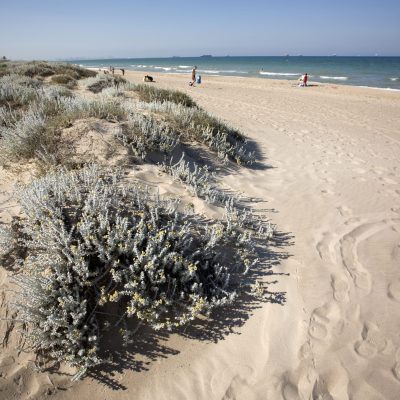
(329, 178)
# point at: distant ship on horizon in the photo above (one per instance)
(206, 56)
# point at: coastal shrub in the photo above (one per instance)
(144, 134)
(201, 183)
(100, 82)
(49, 109)
(150, 94)
(196, 124)
(45, 69)
(23, 138)
(17, 91)
(92, 241)
(33, 68)
(73, 70)
(198, 180)
(109, 109)
(8, 116)
(64, 79)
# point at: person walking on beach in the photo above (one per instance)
(193, 76)
(123, 71)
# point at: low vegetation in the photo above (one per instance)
(151, 94)
(91, 242)
(64, 79)
(42, 69)
(100, 82)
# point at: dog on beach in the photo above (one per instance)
(148, 78)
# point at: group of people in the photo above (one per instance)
(194, 78)
(112, 70)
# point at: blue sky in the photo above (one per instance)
(50, 29)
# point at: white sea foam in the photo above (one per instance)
(235, 72)
(278, 73)
(209, 71)
(336, 78)
(185, 66)
(212, 71)
(164, 68)
(394, 79)
(380, 88)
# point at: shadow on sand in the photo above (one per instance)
(147, 345)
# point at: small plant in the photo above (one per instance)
(97, 84)
(201, 183)
(150, 94)
(24, 138)
(143, 134)
(17, 91)
(64, 79)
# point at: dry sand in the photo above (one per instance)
(330, 178)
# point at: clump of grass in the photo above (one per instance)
(64, 79)
(97, 84)
(144, 134)
(109, 109)
(32, 115)
(17, 91)
(196, 124)
(45, 69)
(201, 183)
(92, 241)
(150, 94)
(24, 138)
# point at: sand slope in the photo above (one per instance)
(330, 178)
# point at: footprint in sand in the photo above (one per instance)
(348, 244)
(372, 343)
(344, 211)
(396, 367)
(341, 289)
(308, 383)
(322, 319)
(327, 191)
(394, 290)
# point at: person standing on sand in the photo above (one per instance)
(193, 76)
(305, 79)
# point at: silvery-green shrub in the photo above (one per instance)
(92, 240)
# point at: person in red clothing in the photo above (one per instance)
(305, 79)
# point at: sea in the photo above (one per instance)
(378, 72)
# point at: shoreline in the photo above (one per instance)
(288, 81)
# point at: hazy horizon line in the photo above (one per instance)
(76, 58)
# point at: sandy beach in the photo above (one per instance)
(328, 177)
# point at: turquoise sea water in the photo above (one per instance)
(381, 72)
